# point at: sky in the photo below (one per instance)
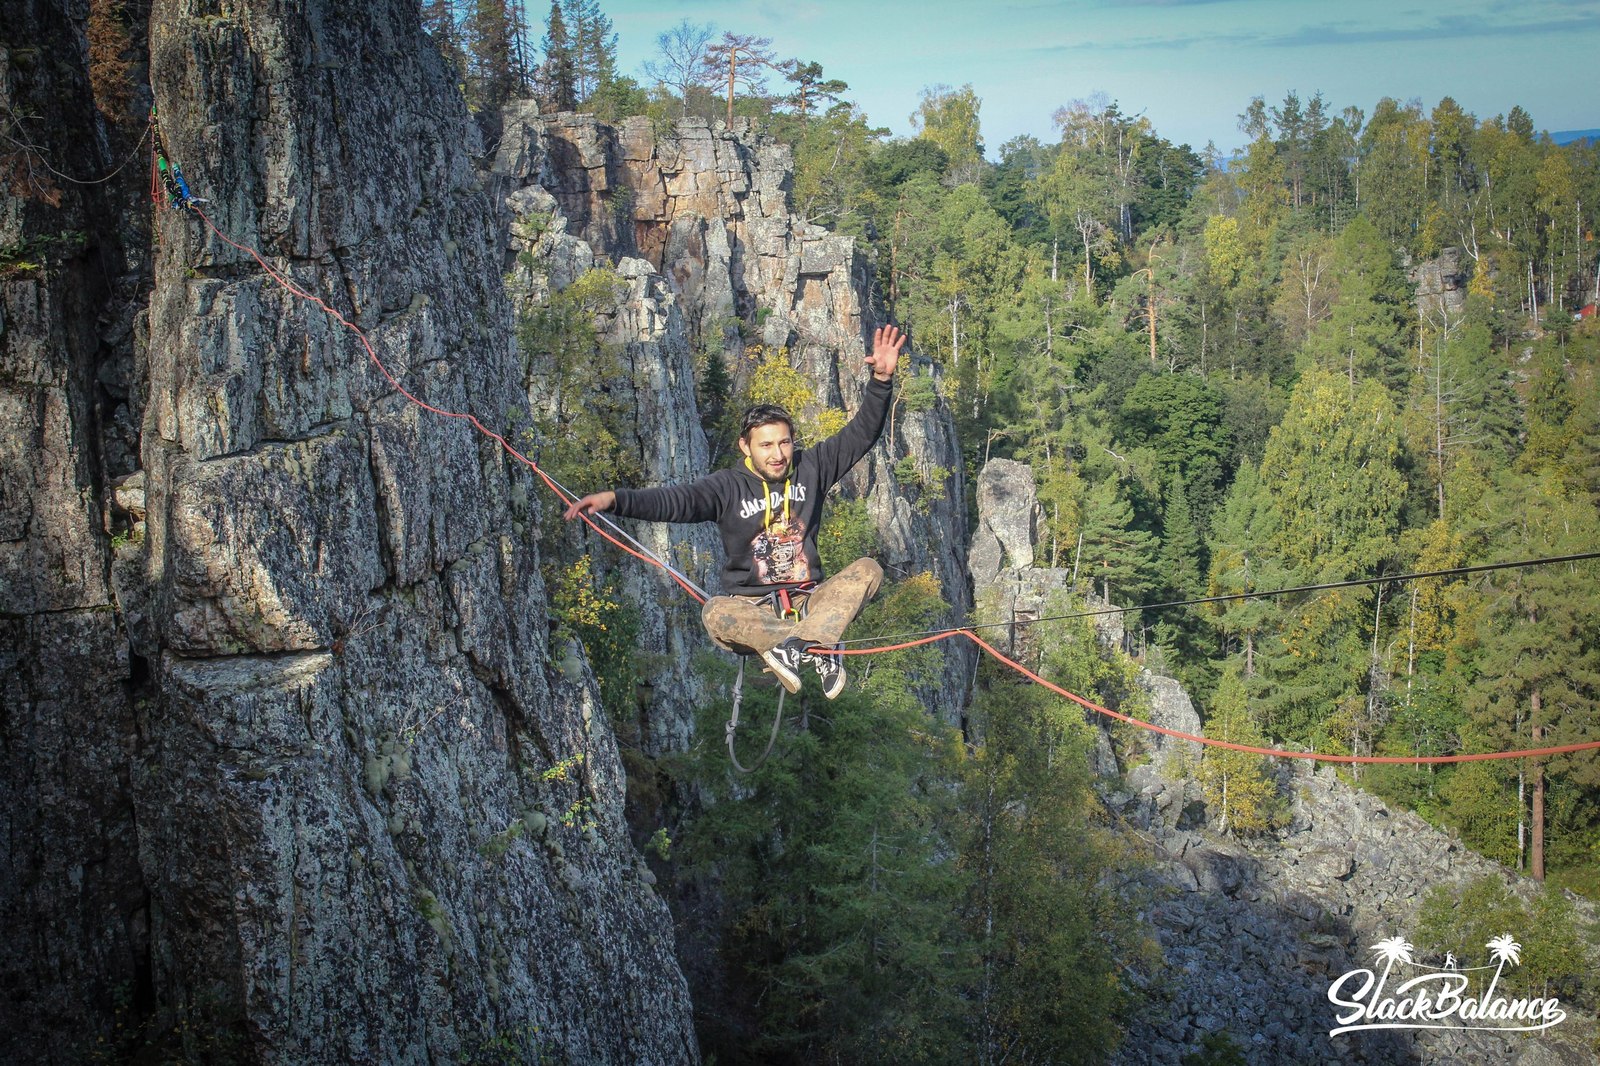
(1189, 66)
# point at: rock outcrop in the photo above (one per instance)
(72, 897)
(1009, 517)
(293, 769)
(1441, 284)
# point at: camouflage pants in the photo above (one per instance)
(746, 626)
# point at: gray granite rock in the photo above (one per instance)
(1008, 521)
(290, 765)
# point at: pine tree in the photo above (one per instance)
(1462, 408)
(833, 862)
(1330, 468)
(524, 69)
(559, 75)
(439, 20)
(489, 35)
(1119, 560)
(1331, 465)
(1180, 416)
(1364, 334)
(741, 60)
(1395, 152)
(1039, 913)
(593, 48)
(1238, 786)
(1181, 557)
(1538, 668)
(812, 92)
(1243, 561)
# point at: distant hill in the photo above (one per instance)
(1568, 136)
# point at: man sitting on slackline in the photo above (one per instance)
(776, 603)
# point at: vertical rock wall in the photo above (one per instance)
(317, 793)
(72, 901)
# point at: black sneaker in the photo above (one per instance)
(830, 668)
(785, 661)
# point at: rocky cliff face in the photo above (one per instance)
(1441, 284)
(1252, 933)
(289, 771)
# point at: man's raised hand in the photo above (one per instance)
(886, 344)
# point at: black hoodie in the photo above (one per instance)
(768, 545)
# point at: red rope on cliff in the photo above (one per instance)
(463, 416)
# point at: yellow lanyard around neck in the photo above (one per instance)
(766, 495)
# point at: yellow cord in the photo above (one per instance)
(766, 497)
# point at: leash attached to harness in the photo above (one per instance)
(785, 606)
(733, 723)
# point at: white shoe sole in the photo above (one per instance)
(786, 677)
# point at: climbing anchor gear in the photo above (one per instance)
(166, 173)
(784, 604)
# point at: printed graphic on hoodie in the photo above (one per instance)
(780, 555)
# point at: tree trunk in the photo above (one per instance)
(1536, 853)
(894, 270)
(955, 332)
(1440, 434)
(1088, 266)
(1411, 640)
(1152, 317)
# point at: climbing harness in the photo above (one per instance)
(786, 605)
(166, 174)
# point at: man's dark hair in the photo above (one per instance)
(763, 414)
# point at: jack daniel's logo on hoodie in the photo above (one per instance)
(757, 505)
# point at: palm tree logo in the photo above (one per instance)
(1394, 949)
(1502, 948)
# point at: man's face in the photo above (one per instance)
(770, 449)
